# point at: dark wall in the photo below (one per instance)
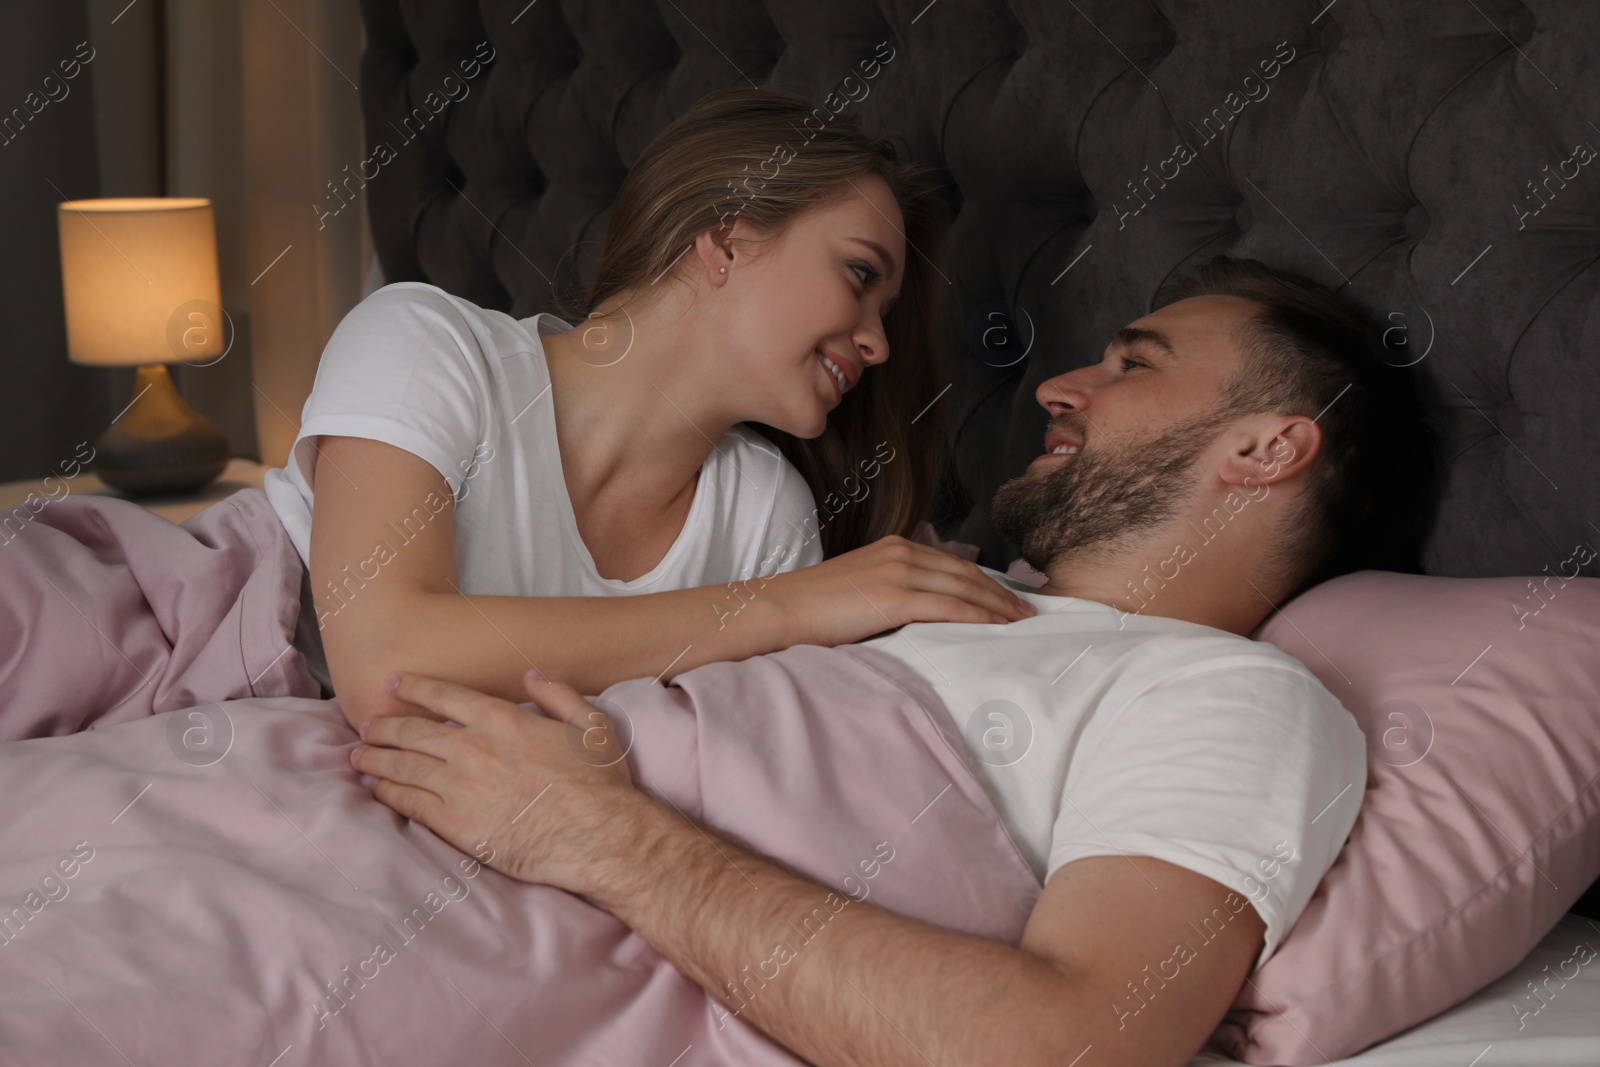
(1440, 163)
(106, 132)
(47, 405)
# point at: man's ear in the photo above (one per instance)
(1270, 449)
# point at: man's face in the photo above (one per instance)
(1141, 420)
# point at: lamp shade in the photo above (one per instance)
(139, 278)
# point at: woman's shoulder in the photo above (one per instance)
(766, 501)
(754, 467)
(411, 312)
(418, 292)
(402, 310)
(748, 445)
(418, 298)
(762, 471)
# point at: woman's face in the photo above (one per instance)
(803, 312)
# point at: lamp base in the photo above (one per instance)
(159, 444)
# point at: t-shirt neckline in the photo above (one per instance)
(1076, 605)
(550, 452)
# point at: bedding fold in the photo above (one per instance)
(263, 907)
(110, 613)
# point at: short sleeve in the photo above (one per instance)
(403, 367)
(794, 518)
(810, 555)
(1243, 768)
(776, 530)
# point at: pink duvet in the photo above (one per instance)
(216, 885)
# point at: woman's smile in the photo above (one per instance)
(842, 372)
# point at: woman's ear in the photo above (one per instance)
(1272, 448)
(713, 249)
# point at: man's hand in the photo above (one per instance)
(529, 795)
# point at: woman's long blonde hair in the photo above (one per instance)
(758, 155)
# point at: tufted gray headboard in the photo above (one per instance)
(1437, 157)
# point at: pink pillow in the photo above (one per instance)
(1480, 826)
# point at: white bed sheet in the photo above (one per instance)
(1484, 1031)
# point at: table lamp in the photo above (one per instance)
(139, 278)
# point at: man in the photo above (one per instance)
(1157, 769)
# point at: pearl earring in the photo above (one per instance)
(722, 270)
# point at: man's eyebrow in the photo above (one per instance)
(1129, 336)
(888, 261)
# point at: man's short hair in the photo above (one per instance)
(1373, 491)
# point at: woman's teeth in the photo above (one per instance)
(838, 375)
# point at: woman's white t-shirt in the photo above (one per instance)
(467, 389)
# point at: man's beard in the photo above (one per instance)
(1094, 500)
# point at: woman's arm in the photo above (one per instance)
(383, 606)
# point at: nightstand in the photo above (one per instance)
(239, 474)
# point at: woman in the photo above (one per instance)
(494, 495)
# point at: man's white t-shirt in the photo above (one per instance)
(467, 389)
(1098, 732)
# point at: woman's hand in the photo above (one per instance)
(885, 585)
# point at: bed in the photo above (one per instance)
(1426, 158)
(1416, 153)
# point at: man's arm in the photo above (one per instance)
(1100, 969)
(1125, 960)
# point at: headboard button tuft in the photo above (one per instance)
(1509, 419)
(1417, 222)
